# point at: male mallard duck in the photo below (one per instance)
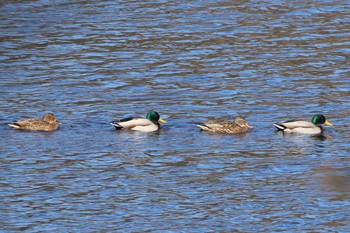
(47, 123)
(148, 124)
(303, 127)
(240, 125)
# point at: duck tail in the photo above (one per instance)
(203, 127)
(279, 126)
(15, 125)
(116, 125)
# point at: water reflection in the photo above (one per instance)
(332, 179)
(305, 138)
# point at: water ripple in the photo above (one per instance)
(91, 62)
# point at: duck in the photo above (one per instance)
(239, 125)
(47, 123)
(148, 124)
(304, 127)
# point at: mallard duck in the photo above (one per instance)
(240, 125)
(304, 127)
(148, 124)
(47, 123)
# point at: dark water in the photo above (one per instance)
(91, 62)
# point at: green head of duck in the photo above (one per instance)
(320, 119)
(155, 117)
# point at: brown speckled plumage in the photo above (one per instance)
(47, 123)
(240, 125)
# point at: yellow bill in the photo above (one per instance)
(328, 123)
(162, 120)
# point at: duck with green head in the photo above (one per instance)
(148, 124)
(304, 127)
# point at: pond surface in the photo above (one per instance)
(91, 62)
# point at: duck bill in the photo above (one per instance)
(328, 123)
(250, 126)
(58, 122)
(162, 120)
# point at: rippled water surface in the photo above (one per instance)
(91, 62)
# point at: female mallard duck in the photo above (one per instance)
(240, 125)
(303, 127)
(47, 123)
(148, 124)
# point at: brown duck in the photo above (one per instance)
(240, 125)
(47, 123)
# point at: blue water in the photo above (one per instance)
(91, 62)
